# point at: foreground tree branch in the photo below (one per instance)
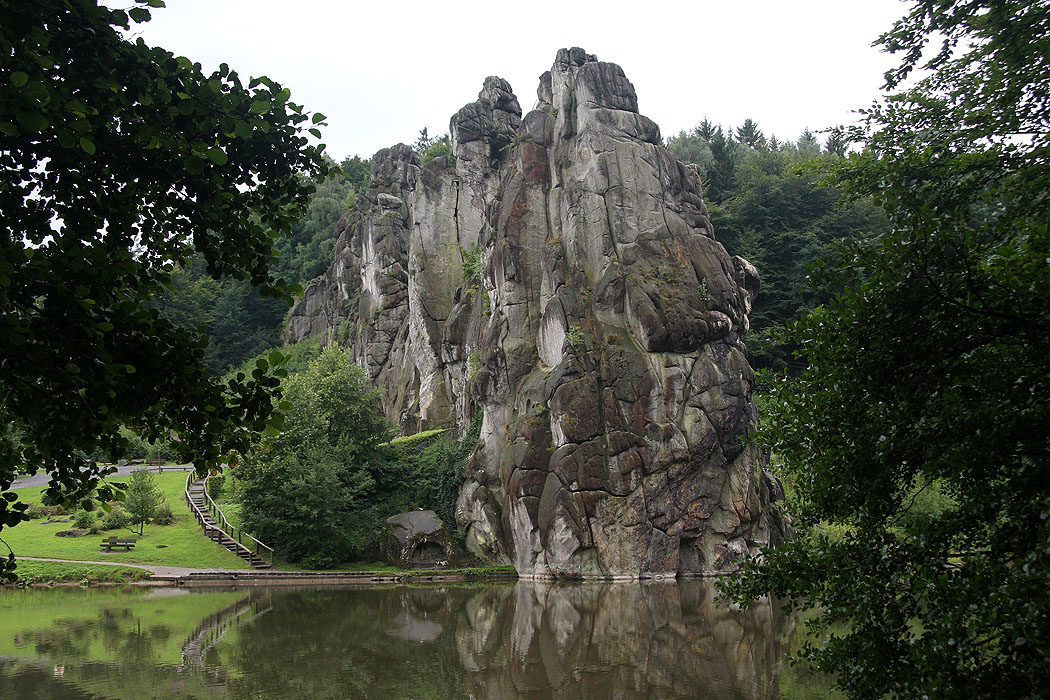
(117, 162)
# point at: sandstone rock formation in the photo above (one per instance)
(562, 278)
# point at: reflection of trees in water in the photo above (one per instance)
(613, 642)
(119, 652)
(116, 628)
(133, 668)
(350, 643)
(199, 648)
(24, 679)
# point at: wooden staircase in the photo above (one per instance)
(219, 529)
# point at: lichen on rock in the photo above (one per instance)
(598, 325)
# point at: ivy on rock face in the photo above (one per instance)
(117, 162)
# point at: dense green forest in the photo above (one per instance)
(238, 320)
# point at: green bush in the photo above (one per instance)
(115, 519)
(436, 473)
(472, 263)
(216, 482)
(441, 147)
(84, 520)
(163, 515)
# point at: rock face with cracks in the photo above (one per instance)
(562, 278)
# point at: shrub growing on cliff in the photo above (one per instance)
(435, 472)
(440, 147)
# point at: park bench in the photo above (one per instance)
(111, 543)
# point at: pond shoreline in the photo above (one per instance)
(188, 576)
(326, 578)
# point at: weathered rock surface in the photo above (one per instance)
(416, 539)
(564, 279)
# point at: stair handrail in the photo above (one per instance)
(216, 512)
(193, 506)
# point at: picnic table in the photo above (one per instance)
(111, 543)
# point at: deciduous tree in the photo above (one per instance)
(117, 162)
(932, 370)
(143, 498)
(309, 489)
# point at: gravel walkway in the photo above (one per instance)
(43, 478)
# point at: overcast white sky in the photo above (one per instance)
(381, 71)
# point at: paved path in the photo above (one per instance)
(153, 568)
(42, 478)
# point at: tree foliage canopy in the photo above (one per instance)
(308, 490)
(117, 162)
(932, 371)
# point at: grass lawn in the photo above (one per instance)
(184, 543)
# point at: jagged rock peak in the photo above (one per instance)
(498, 94)
(563, 280)
(599, 84)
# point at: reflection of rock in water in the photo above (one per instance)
(414, 622)
(414, 628)
(619, 641)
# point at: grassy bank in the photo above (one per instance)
(31, 572)
(180, 544)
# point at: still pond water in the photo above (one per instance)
(608, 642)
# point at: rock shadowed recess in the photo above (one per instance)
(563, 279)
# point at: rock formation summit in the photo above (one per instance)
(562, 279)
